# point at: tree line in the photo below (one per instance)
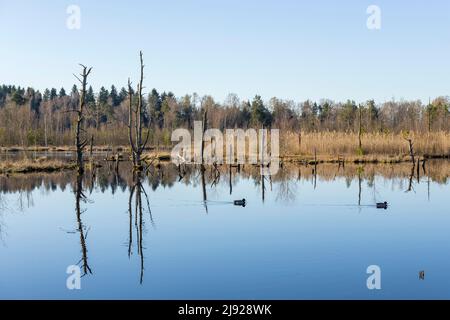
(29, 117)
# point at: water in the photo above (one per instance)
(304, 237)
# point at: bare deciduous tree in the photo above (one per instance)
(137, 144)
(81, 142)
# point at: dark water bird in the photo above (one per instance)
(422, 275)
(382, 205)
(239, 203)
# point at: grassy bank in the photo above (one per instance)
(26, 165)
(61, 149)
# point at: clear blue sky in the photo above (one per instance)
(290, 49)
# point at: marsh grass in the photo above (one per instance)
(330, 146)
(38, 165)
(376, 147)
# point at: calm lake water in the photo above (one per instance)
(301, 236)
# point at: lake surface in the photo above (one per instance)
(301, 235)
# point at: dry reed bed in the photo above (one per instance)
(376, 147)
(294, 147)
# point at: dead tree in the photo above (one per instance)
(204, 127)
(360, 150)
(81, 142)
(411, 149)
(137, 144)
(413, 162)
(230, 179)
(418, 169)
(202, 165)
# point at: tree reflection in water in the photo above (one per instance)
(17, 191)
(138, 192)
(80, 197)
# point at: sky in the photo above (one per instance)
(289, 49)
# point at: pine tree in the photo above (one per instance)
(103, 96)
(62, 93)
(90, 97)
(115, 99)
(74, 91)
(123, 95)
(46, 95)
(260, 114)
(53, 94)
(18, 98)
(155, 105)
(104, 108)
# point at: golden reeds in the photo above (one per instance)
(374, 145)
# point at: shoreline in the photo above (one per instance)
(373, 159)
(46, 165)
(38, 165)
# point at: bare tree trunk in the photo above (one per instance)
(230, 169)
(418, 169)
(80, 142)
(360, 131)
(137, 146)
(130, 122)
(202, 166)
(45, 128)
(204, 127)
(411, 150)
(429, 116)
(139, 113)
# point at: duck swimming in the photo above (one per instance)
(382, 205)
(239, 203)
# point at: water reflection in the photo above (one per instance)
(107, 179)
(137, 191)
(82, 230)
(284, 226)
